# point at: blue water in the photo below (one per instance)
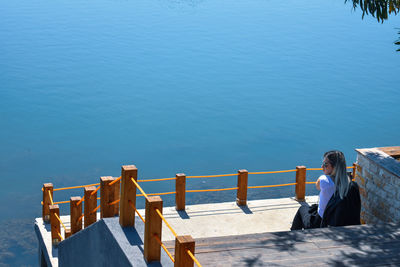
(200, 87)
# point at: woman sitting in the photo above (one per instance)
(339, 198)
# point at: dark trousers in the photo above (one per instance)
(306, 218)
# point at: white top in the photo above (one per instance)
(327, 189)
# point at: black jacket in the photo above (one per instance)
(346, 211)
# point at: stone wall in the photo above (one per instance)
(378, 176)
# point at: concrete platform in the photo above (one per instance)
(225, 219)
(199, 221)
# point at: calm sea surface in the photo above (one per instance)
(201, 87)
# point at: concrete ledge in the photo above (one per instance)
(106, 243)
(44, 245)
(382, 159)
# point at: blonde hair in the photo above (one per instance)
(342, 180)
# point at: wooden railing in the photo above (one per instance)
(118, 197)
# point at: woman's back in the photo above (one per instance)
(342, 212)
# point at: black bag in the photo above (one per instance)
(315, 219)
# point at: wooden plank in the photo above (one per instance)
(55, 224)
(241, 258)
(48, 187)
(90, 205)
(295, 256)
(393, 151)
(128, 195)
(180, 189)
(273, 246)
(241, 196)
(76, 213)
(152, 250)
(106, 196)
(300, 183)
(182, 244)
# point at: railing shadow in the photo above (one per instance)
(132, 236)
(245, 209)
(183, 214)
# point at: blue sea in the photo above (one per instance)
(200, 87)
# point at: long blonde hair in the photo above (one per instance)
(342, 180)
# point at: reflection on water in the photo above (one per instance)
(379, 9)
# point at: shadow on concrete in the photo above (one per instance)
(253, 261)
(245, 209)
(236, 211)
(54, 252)
(303, 203)
(183, 214)
(132, 236)
(47, 226)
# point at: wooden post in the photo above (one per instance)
(241, 197)
(182, 244)
(300, 183)
(55, 225)
(107, 195)
(180, 189)
(76, 213)
(67, 233)
(128, 194)
(354, 170)
(152, 250)
(90, 205)
(46, 201)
